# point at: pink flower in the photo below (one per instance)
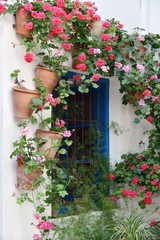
(66, 46)
(57, 30)
(65, 107)
(144, 167)
(125, 192)
(153, 77)
(95, 77)
(141, 38)
(81, 67)
(105, 68)
(133, 194)
(22, 12)
(147, 93)
(94, 51)
(155, 167)
(64, 36)
(147, 200)
(150, 119)
(118, 64)
(112, 176)
(77, 77)
(2, 8)
(56, 21)
(135, 180)
(115, 38)
(158, 184)
(106, 24)
(142, 188)
(153, 223)
(141, 103)
(59, 53)
(29, 26)
(120, 25)
(67, 133)
(126, 68)
(25, 131)
(60, 123)
(36, 237)
(100, 62)
(111, 57)
(155, 99)
(151, 173)
(140, 68)
(46, 7)
(82, 57)
(29, 57)
(154, 182)
(141, 156)
(37, 216)
(60, 3)
(42, 225)
(28, 6)
(108, 48)
(148, 194)
(105, 37)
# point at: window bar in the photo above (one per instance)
(75, 135)
(90, 125)
(82, 129)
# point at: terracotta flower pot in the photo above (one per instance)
(135, 96)
(25, 181)
(48, 78)
(97, 28)
(21, 21)
(49, 136)
(22, 98)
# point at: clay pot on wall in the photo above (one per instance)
(25, 181)
(48, 78)
(22, 98)
(50, 136)
(21, 21)
(135, 96)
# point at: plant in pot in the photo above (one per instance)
(22, 97)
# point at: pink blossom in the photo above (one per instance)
(28, 6)
(108, 48)
(100, 62)
(118, 64)
(95, 77)
(29, 57)
(56, 21)
(36, 237)
(115, 38)
(112, 176)
(65, 107)
(155, 99)
(105, 37)
(148, 194)
(95, 51)
(42, 225)
(126, 68)
(60, 123)
(105, 68)
(154, 182)
(67, 133)
(25, 131)
(153, 223)
(133, 194)
(141, 103)
(135, 180)
(158, 184)
(147, 200)
(37, 216)
(2, 8)
(29, 26)
(120, 25)
(106, 24)
(153, 77)
(144, 167)
(111, 56)
(147, 93)
(57, 30)
(142, 188)
(64, 36)
(66, 46)
(141, 38)
(82, 57)
(81, 67)
(60, 3)
(46, 7)
(22, 12)
(155, 167)
(59, 53)
(140, 68)
(150, 119)
(125, 192)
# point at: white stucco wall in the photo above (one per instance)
(14, 219)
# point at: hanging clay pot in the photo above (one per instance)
(48, 78)
(21, 21)
(135, 96)
(22, 98)
(25, 181)
(97, 28)
(49, 136)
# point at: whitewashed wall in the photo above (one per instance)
(14, 219)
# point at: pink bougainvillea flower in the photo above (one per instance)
(112, 176)
(66, 46)
(126, 68)
(153, 77)
(144, 167)
(154, 182)
(135, 180)
(36, 237)
(140, 68)
(147, 200)
(67, 133)
(2, 8)
(105, 37)
(133, 194)
(28, 6)
(82, 57)
(125, 192)
(81, 67)
(147, 93)
(29, 26)
(29, 57)
(95, 77)
(106, 24)
(150, 119)
(25, 131)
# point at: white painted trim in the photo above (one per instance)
(145, 14)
